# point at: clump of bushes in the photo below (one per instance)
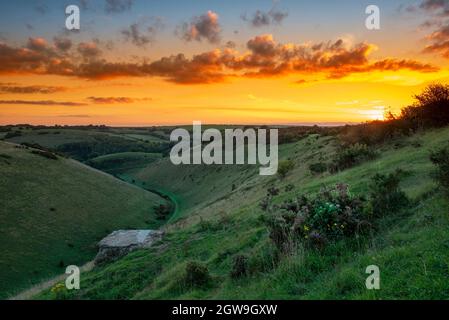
(239, 266)
(331, 214)
(317, 168)
(352, 155)
(265, 203)
(162, 211)
(285, 166)
(430, 109)
(441, 159)
(196, 274)
(386, 195)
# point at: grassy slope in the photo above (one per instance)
(56, 210)
(118, 162)
(411, 249)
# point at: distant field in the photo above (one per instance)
(53, 213)
(88, 143)
(118, 162)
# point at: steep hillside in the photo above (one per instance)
(410, 247)
(53, 211)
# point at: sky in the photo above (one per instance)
(139, 63)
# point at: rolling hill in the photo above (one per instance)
(220, 219)
(54, 211)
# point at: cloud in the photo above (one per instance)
(75, 116)
(42, 103)
(204, 27)
(89, 50)
(111, 100)
(264, 57)
(118, 6)
(439, 38)
(261, 18)
(440, 7)
(37, 44)
(62, 44)
(41, 8)
(439, 41)
(15, 89)
(141, 33)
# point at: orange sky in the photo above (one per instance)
(255, 79)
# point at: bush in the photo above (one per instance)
(431, 108)
(196, 274)
(162, 211)
(441, 159)
(285, 166)
(317, 168)
(239, 266)
(329, 215)
(386, 195)
(352, 155)
(273, 191)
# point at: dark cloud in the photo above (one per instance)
(89, 50)
(41, 8)
(204, 27)
(13, 88)
(118, 6)
(438, 15)
(110, 100)
(143, 32)
(261, 18)
(440, 7)
(42, 103)
(75, 116)
(231, 45)
(63, 44)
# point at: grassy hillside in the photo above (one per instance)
(86, 143)
(118, 162)
(217, 222)
(54, 211)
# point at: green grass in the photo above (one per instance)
(119, 162)
(216, 222)
(55, 211)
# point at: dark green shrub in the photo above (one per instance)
(239, 266)
(196, 274)
(385, 194)
(273, 191)
(285, 166)
(352, 155)
(317, 168)
(441, 159)
(331, 214)
(162, 211)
